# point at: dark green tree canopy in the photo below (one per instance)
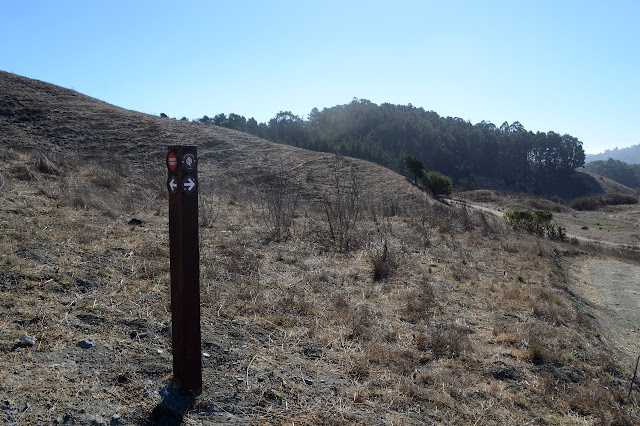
(415, 166)
(386, 133)
(439, 184)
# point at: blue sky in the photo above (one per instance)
(567, 66)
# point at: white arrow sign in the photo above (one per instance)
(189, 185)
(172, 184)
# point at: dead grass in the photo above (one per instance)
(401, 320)
(415, 312)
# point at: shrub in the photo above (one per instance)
(383, 262)
(598, 201)
(439, 184)
(445, 341)
(342, 206)
(279, 201)
(538, 222)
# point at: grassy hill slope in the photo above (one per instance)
(373, 304)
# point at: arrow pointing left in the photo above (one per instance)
(172, 184)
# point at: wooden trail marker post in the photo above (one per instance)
(182, 183)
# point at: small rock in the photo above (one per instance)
(86, 343)
(27, 340)
(206, 355)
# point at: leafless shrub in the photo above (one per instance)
(421, 224)
(107, 179)
(465, 218)
(24, 172)
(445, 341)
(342, 206)
(383, 262)
(279, 203)
(208, 210)
(47, 166)
(420, 302)
(550, 307)
(361, 321)
(489, 224)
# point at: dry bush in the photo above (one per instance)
(420, 223)
(419, 303)
(551, 308)
(208, 210)
(598, 201)
(47, 166)
(279, 202)
(631, 253)
(4, 183)
(383, 262)
(489, 224)
(445, 340)
(106, 179)
(342, 206)
(361, 324)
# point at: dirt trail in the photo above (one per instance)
(613, 289)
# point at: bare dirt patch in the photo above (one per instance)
(613, 291)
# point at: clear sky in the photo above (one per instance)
(568, 66)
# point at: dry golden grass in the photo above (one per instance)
(415, 312)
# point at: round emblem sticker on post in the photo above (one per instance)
(172, 161)
(189, 162)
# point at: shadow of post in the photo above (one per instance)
(172, 409)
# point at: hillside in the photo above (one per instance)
(630, 155)
(361, 301)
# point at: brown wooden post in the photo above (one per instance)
(182, 164)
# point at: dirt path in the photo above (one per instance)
(613, 288)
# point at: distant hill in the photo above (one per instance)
(60, 123)
(630, 155)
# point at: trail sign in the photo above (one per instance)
(182, 185)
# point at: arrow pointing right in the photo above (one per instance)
(189, 185)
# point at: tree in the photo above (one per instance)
(439, 184)
(415, 166)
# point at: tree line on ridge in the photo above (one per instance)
(387, 133)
